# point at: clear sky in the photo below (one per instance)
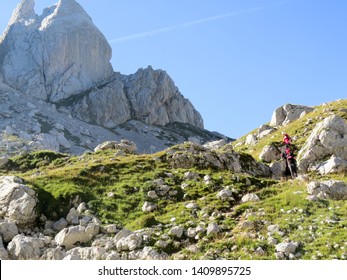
(235, 60)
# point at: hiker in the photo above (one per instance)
(286, 138)
(289, 159)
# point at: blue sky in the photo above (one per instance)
(235, 60)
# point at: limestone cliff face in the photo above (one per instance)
(148, 95)
(58, 89)
(55, 55)
(61, 57)
(155, 99)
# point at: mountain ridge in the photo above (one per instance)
(58, 71)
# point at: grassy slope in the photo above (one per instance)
(299, 129)
(116, 187)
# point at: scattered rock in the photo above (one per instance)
(251, 139)
(60, 225)
(269, 154)
(225, 195)
(25, 248)
(8, 230)
(214, 145)
(17, 201)
(288, 113)
(192, 206)
(264, 131)
(52, 254)
(251, 197)
(286, 250)
(333, 165)
(149, 207)
(176, 231)
(86, 253)
(129, 242)
(213, 229)
(69, 237)
(336, 190)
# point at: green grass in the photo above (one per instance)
(301, 129)
(116, 187)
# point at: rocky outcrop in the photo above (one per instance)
(328, 138)
(336, 190)
(148, 95)
(286, 250)
(25, 248)
(17, 201)
(250, 197)
(333, 165)
(189, 155)
(155, 99)
(69, 237)
(288, 113)
(124, 145)
(269, 154)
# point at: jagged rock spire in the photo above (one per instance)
(63, 10)
(24, 11)
(66, 7)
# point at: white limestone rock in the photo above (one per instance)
(73, 217)
(8, 230)
(333, 165)
(332, 189)
(69, 237)
(328, 138)
(213, 229)
(250, 197)
(148, 207)
(25, 248)
(155, 99)
(111, 229)
(286, 247)
(52, 254)
(86, 253)
(176, 231)
(225, 195)
(214, 145)
(108, 106)
(17, 201)
(122, 234)
(288, 113)
(130, 242)
(269, 154)
(251, 139)
(147, 253)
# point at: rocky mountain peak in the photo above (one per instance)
(56, 55)
(67, 11)
(60, 92)
(24, 11)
